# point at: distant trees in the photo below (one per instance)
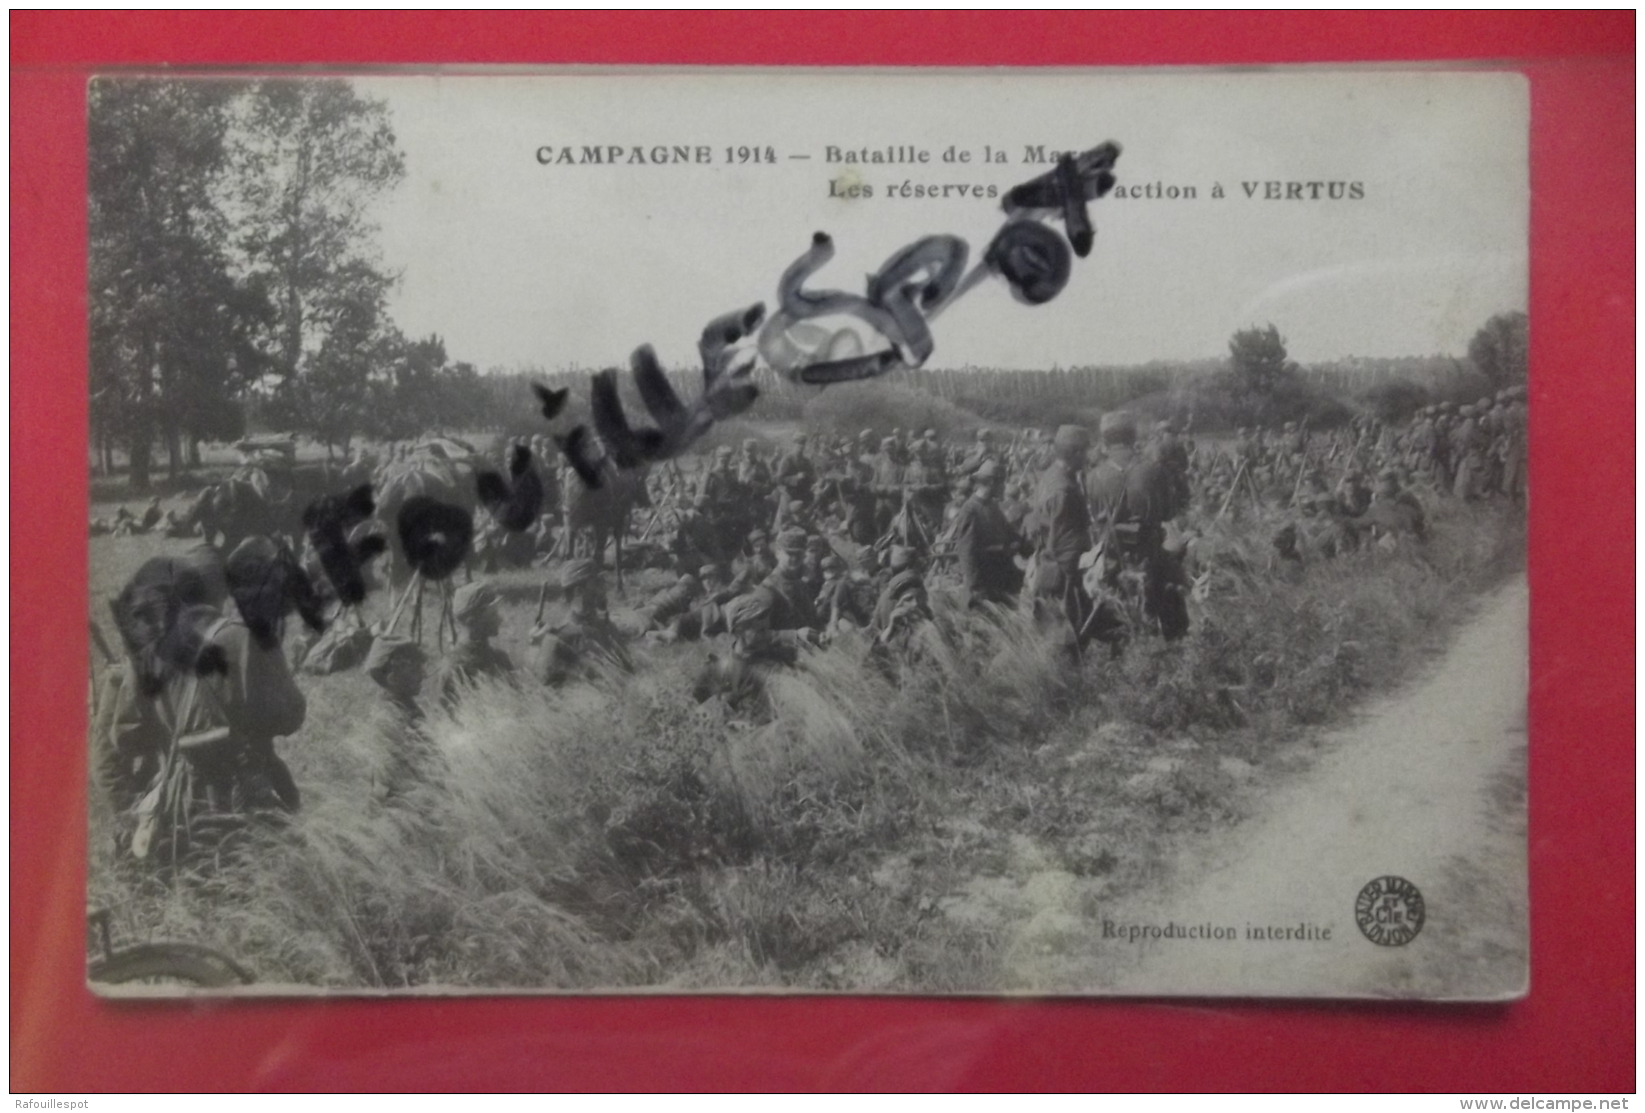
(1500, 350)
(1396, 400)
(1260, 363)
(174, 334)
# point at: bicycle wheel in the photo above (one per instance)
(169, 964)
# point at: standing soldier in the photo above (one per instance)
(981, 453)
(724, 495)
(1131, 500)
(985, 543)
(1062, 524)
(1467, 452)
(752, 471)
(1171, 455)
(924, 494)
(795, 474)
(886, 485)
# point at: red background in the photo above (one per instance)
(1574, 1033)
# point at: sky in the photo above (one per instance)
(517, 263)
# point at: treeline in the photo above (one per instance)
(1256, 385)
(234, 269)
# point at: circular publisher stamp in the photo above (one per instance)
(1390, 911)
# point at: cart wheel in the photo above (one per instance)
(169, 964)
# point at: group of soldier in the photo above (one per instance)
(767, 553)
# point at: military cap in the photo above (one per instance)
(1071, 438)
(866, 435)
(757, 536)
(576, 573)
(749, 612)
(816, 543)
(989, 470)
(710, 572)
(930, 434)
(471, 599)
(832, 563)
(795, 506)
(1116, 428)
(901, 557)
(723, 451)
(791, 541)
(887, 442)
(388, 649)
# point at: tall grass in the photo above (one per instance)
(617, 833)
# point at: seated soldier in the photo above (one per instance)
(397, 666)
(833, 601)
(475, 608)
(902, 604)
(586, 639)
(663, 608)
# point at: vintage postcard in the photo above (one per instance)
(995, 532)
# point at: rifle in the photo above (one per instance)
(542, 601)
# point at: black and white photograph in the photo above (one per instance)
(989, 532)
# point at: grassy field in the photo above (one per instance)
(618, 834)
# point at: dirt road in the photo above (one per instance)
(1428, 785)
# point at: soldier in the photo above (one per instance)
(1468, 443)
(206, 730)
(475, 609)
(833, 601)
(397, 665)
(726, 498)
(695, 540)
(795, 474)
(752, 471)
(887, 485)
(902, 604)
(1062, 527)
(756, 562)
(817, 550)
(1131, 501)
(926, 484)
(985, 543)
(1394, 509)
(1171, 455)
(854, 484)
(792, 514)
(981, 453)
(663, 608)
(792, 603)
(576, 647)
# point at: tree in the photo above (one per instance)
(1500, 350)
(308, 159)
(174, 335)
(341, 390)
(1260, 362)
